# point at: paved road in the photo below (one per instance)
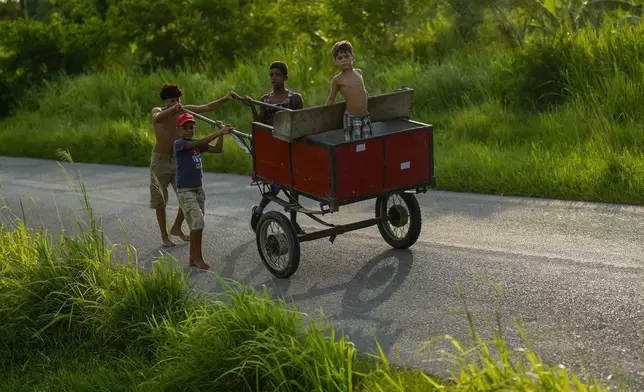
(572, 272)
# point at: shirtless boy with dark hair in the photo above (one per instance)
(349, 82)
(162, 162)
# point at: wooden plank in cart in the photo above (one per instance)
(296, 124)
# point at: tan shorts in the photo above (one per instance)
(192, 202)
(163, 172)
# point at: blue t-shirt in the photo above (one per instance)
(189, 169)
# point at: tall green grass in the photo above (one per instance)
(75, 316)
(558, 118)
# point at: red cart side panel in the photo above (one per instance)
(271, 157)
(311, 169)
(358, 169)
(407, 159)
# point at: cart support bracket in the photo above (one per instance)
(296, 207)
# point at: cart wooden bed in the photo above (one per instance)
(305, 154)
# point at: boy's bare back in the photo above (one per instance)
(351, 85)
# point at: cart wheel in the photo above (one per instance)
(403, 229)
(277, 244)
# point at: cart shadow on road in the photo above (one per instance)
(378, 274)
(372, 286)
(232, 261)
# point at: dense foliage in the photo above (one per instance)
(43, 37)
(527, 97)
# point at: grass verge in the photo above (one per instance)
(75, 316)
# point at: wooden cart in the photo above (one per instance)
(305, 154)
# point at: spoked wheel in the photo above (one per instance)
(403, 229)
(277, 244)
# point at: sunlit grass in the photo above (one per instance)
(75, 316)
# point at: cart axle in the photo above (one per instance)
(337, 230)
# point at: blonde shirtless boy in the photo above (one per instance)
(163, 168)
(349, 82)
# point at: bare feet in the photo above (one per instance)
(167, 243)
(199, 264)
(179, 233)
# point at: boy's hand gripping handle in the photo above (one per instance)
(238, 135)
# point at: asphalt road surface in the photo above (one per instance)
(571, 272)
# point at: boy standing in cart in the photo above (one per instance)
(280, 96)
(190, 191)
(349, 82)
(162, 161)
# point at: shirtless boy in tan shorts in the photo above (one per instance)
(349, 82)
(163, 167)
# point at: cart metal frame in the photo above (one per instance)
(286, 241)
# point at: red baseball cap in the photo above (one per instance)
(184, 118)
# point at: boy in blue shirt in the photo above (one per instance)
(190, 192)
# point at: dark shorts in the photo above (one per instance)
(357, 127)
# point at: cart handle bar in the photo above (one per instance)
(268, 105)
(218, 124)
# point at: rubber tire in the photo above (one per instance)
(415, 221)
(291, 234)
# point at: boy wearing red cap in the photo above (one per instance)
(190, 191)
(162, 161)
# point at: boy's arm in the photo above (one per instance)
(261, 116)
(299, 102)
(201, 142)
(334, 92)
(209, 107)
(159, 114)
(217, 148)
(258, 117)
